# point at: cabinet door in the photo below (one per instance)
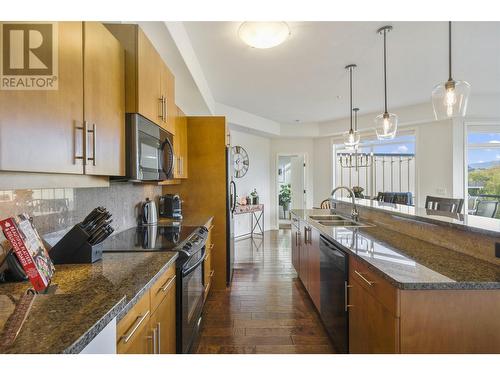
(163, 323)
(140, 343)
(149, 71)
(38, 128)
(133, 333)
(304, 257)
(104, 101)
(295, 248)
(167, 83)
(314, 267)
(372, 328)
(183, 143)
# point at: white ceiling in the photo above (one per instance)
(302, 78)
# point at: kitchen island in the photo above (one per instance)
(402, 294)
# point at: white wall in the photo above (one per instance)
(439, 150)
(322, 169)
(257, 177)
(291, 146)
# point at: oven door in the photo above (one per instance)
(155, 157)
(191, 303)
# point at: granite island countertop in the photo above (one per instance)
(408, 262)
(86, 299)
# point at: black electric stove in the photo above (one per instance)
(189, 242)
(150, 238)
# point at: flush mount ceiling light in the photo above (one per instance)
(386, 124)
(351, 138)
(264, 34)
(449, 99)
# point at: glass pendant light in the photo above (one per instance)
(449, 99)
(386, 124)
(351, 138)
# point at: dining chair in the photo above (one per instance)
(327, 203)
(453, 205)
(486, 208)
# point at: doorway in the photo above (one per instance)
(291, 186)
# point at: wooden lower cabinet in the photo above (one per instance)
(208, 264)
(150, 326)
(162, 323)
(372, 328)
(314, 268)
(295, 247)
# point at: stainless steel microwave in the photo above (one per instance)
(150, 154)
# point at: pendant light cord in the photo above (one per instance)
(449, 50)
(350, 94)
(385, 72)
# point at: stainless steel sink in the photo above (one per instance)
(339, 223)
(327, 217)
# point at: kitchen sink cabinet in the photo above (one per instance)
(314, 267)
(149, 84)
(180, 145)
(295, 244)
(78, 128)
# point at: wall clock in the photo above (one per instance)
(240, 161)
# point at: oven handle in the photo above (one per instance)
(194, 266)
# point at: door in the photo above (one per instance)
(230, 208)
(39, 128)
(372, 328)
(295, 245)
(163, 321)
(167, 83)
(304, 256)
(149, 72)
(314, 267)
(104, 101)
(297, 182)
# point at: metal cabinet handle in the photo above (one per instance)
(165, 115)
(126, 338)
(346, 303)
(94, 141)
(363, 278)
(212, 273)
(155, 341)
(167, 284)
(211, 246)
(162, 113)
(83, 128)
(158, 327)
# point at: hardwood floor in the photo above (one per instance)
(266, 310)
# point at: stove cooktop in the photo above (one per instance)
(149, 238)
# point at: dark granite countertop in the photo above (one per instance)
(472, 223)
(407, 262)
(87, 298)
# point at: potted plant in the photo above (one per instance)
(285, 197)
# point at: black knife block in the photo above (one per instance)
(73, 248)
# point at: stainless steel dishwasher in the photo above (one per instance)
(333, 292)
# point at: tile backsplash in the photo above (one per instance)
(55, 210)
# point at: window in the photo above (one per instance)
(392, 167)
(483, 170)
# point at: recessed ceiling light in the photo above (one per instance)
(264, 34)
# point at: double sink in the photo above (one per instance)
(336, 221)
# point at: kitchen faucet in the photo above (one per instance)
(354, 212)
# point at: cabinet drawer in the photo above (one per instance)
(374, 284)
(161, 287)
(130, 329)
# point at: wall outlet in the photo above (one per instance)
(497, 249)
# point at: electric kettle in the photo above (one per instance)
(149, 214)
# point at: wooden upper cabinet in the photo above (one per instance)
(38, 128)
(180, 145)
(149, 84)
(104, 101)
